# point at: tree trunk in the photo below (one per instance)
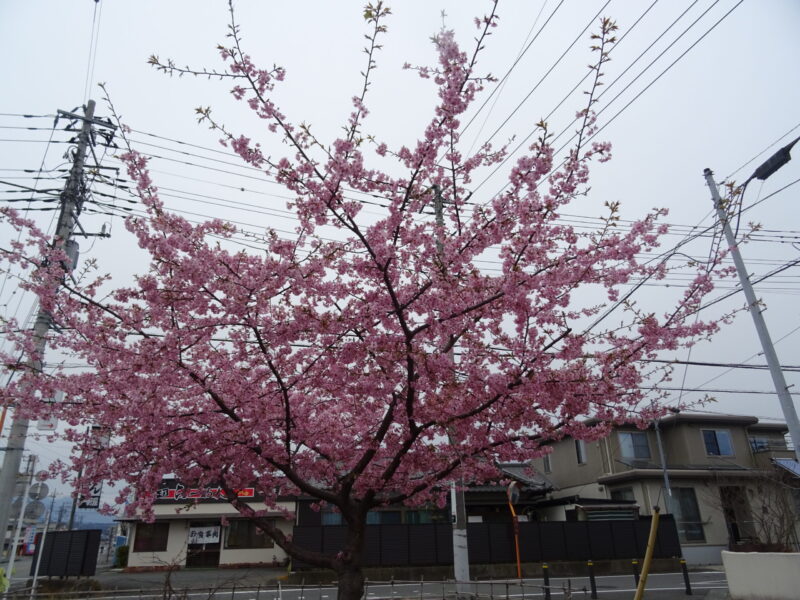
(351, 583)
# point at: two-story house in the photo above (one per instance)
(730, 481)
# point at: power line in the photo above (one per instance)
(513, 66)
(550, 70)
(660, 75)
(602, 93)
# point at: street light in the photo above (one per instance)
(775, 162)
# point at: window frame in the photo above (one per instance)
(249, 542)
(717, 438)
(148, 536)
(547, 463)
(580, 452)
(630, 495)
(632, 435)
(681, 497)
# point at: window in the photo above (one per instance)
(384, 517)
(718, 442)
(580, 451)
(243, 533)
(633, 444)
(625, 493)
(417, 517)
(687, 515)
(151, 537)
(329, 517)
(548, 466)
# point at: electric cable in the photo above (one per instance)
(93, 44)
(603, 92)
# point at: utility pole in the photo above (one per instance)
(71, 204)
(789, 412)
(457, 496)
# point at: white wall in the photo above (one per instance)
(762, 575)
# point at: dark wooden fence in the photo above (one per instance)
(68, 553)
(490, 543)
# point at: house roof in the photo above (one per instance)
(696, 417)
(523, 473)
(690, 417)
(779, 427)
(532, 482)
(585, 502)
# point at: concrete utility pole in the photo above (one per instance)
(71, 203)
(787, 405)
(457, 496)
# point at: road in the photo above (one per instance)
(252, 584)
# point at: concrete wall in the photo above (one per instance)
(762, 575)
(566, 470)
(684, 444)
(702, 554)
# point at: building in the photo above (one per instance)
(733, 481)
(197, 527)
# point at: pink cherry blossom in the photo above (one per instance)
(338, 369)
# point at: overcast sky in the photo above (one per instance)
(724, 89)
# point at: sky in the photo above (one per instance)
(690, 85)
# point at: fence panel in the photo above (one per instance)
(444, 543)
(601, 537)
(669, 545)
(422, 539)
(478, 543)
(394, 544)
(372, 547)
(625, 540)
(576, 534)
(501, 542)
(68, 553)
(432, 544)
(530, 548)
(333, 538)
(553, 540)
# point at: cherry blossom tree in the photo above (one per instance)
(374, 367)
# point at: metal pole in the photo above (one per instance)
(592, 582)
(546, 575)
(70, 204)
(663, 459)
(635, 567)
(457, 495)
(686, 581)
(40, 547)
(20, 519)
(787, 406)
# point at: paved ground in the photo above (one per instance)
(260, 584)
